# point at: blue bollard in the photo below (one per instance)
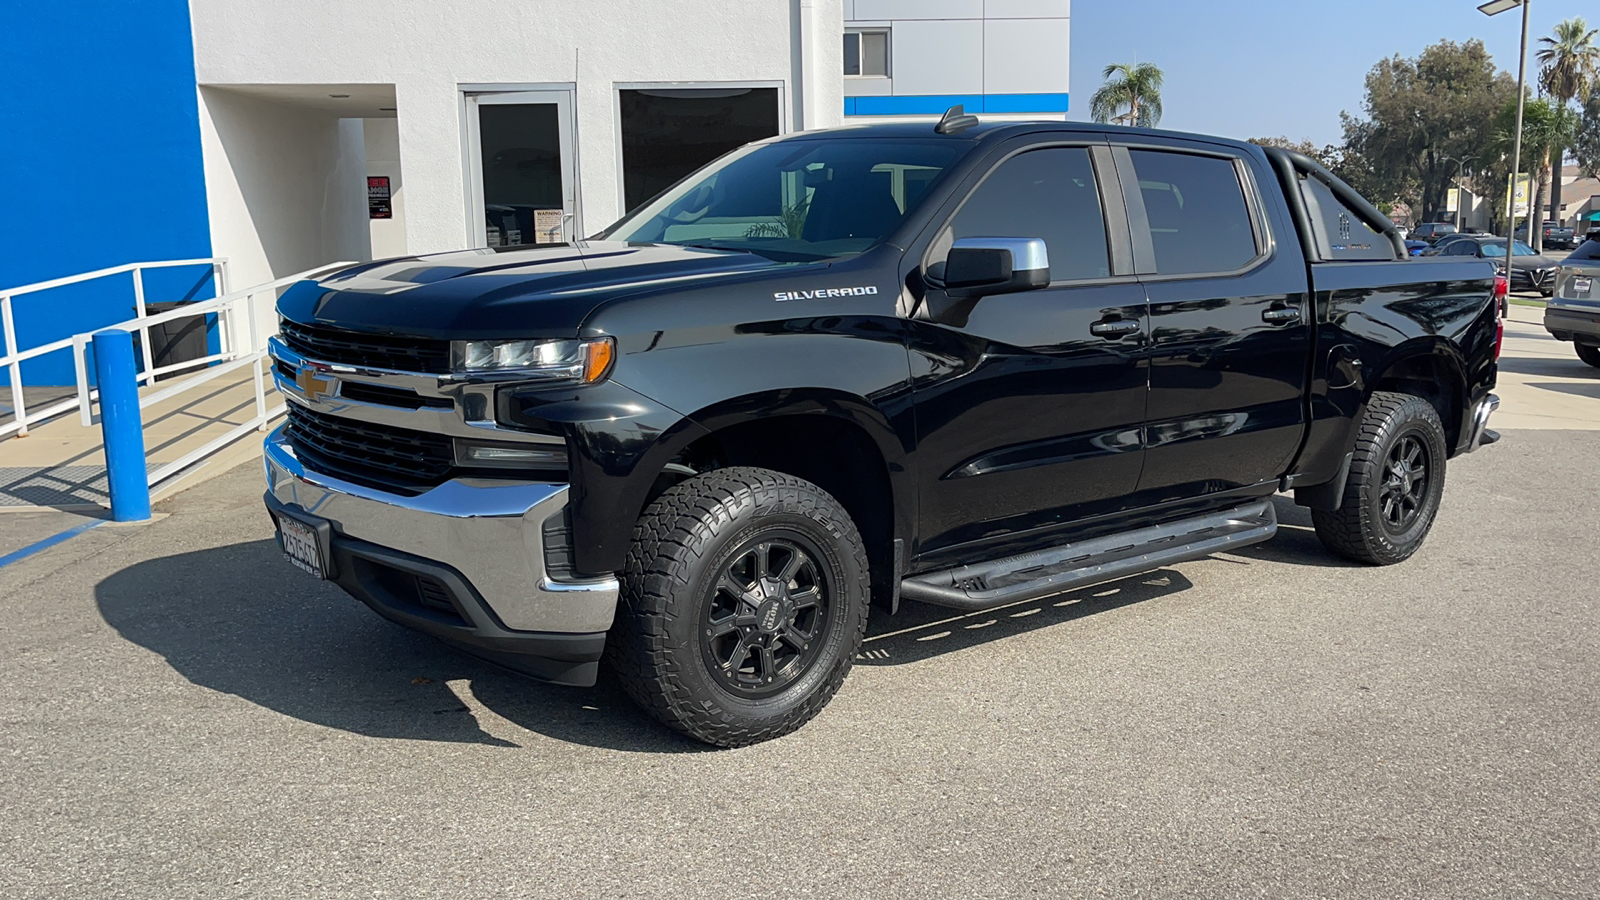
(121, 425)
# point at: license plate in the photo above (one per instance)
(1581, 285)
(299, 543)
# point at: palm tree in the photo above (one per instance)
(1546, 126)
(1136, 88)
(1570, 69)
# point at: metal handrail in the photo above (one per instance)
(233, 357)
(14, 357)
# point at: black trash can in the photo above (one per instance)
(176, 340)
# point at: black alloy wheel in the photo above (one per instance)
(744, 604)
(1395, 483)
(768, 611)
(1405, 484)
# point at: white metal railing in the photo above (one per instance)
(14, 358)
(241, 341)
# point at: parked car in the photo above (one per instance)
(1530, 271)
(1556, 237)
(968, 365)
(1573, 313)
(1447, 240)
(1431, 232)
(1415, 248)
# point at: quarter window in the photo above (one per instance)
(1199, 221)
(1048, 194)
(866, 54)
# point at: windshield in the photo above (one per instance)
(794, 200)
(1498, 248)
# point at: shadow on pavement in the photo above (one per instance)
(238, 620)
(921, 631)
(1589, 388)
(1296, 542)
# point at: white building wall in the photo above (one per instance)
(286, 187)
(427, 49)
(1004, 57)
(382, 139)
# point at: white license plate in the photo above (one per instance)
(299, 543)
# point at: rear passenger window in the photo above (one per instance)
(1199, 221)
(1048, 194)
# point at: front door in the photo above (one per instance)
(1029, 407)
(520, 182)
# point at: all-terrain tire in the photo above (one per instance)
(1589, 354)
(1385, 513)
(686, 577)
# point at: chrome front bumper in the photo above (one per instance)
(490, 532)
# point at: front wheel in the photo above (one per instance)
(1395, 485)
(1589, 354)
(744, 606)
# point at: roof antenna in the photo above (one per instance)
(955, 120)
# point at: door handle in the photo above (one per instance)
(1281, 314)
(1114, 328)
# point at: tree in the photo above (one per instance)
(1424, 123)
(1136, 88)
(1586, 142)
(1546, 127)
(1570, 66)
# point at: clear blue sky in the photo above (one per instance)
(1264, 68)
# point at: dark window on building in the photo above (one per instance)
(666, 134)
(866, 54)
(1047, 194)
(1199, 221)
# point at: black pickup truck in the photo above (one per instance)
(966, 364)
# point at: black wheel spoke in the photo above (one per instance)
(769, 609)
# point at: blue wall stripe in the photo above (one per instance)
(48, 542)
(934, 104)
(100, 162)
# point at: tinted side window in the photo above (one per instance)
(1462, 248)
(1047, 194)
(1199, 222)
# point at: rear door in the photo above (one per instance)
(1229, 320)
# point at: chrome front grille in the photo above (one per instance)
(382, 456)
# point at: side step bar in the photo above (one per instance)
(1033, 575)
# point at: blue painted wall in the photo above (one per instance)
(99, 162)
(936, 104)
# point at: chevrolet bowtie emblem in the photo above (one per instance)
(312, 385)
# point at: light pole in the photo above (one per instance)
(1495, 8)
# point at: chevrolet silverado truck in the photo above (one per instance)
(969, 364)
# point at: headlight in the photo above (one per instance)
(582, 361)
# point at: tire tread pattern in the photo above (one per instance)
(669, 545)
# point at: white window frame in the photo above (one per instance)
(888, 51)
(565, 96)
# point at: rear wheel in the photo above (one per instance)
(1395, 485)
(744, 605)
(1589, 354)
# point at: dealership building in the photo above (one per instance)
(286, 134)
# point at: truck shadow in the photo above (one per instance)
(236, 620)
(1296, 542)
(921, 631)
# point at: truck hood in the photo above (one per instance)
(538, 292)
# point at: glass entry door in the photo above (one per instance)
(520, 168)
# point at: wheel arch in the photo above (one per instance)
(1431, 368)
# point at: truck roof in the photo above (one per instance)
(991, 131)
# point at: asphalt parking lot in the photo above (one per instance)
(184, 715)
